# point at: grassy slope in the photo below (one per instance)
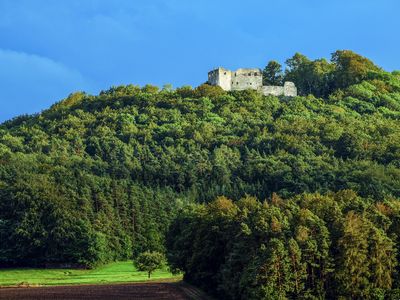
(114, 272)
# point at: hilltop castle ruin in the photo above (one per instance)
(243, 79)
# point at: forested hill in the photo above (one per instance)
(94, 178)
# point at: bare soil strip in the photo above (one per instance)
(145, 291)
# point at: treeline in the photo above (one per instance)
(323, 78)
(55, 212)
(312, 246)
(97, 178)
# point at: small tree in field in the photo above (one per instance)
(149, 261)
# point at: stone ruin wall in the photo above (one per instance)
(272, 90)
(221, 77)
(289, 89)
(243, 79)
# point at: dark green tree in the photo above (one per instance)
(272, 74)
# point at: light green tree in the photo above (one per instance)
(149, 262)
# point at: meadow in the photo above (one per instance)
(117, 272)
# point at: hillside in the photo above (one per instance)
(94, 178)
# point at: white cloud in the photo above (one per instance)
(11, 62)
(30, 83)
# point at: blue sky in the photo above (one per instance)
(49, 49)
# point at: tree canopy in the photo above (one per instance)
(311, 246)
(149, 262)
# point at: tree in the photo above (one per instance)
(353, 270)
(149, 261)
(312, 236)
(382, 258)
(298, 69)
(206, 90)
(310, 77)
(297, 267)
(351, 68)
(272, 73)
(274, 272)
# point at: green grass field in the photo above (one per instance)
(111, 273)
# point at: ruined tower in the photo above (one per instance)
(220, 77)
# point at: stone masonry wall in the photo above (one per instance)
(220, 77)
(243, 79)
(272, 90)
(246, 79)
(289, 89)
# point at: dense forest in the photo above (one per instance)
(133, 169)
(311, 246)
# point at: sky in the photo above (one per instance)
(49, 49)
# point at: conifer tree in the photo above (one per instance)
(274, 272)
(353, 270)
(297, 267)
